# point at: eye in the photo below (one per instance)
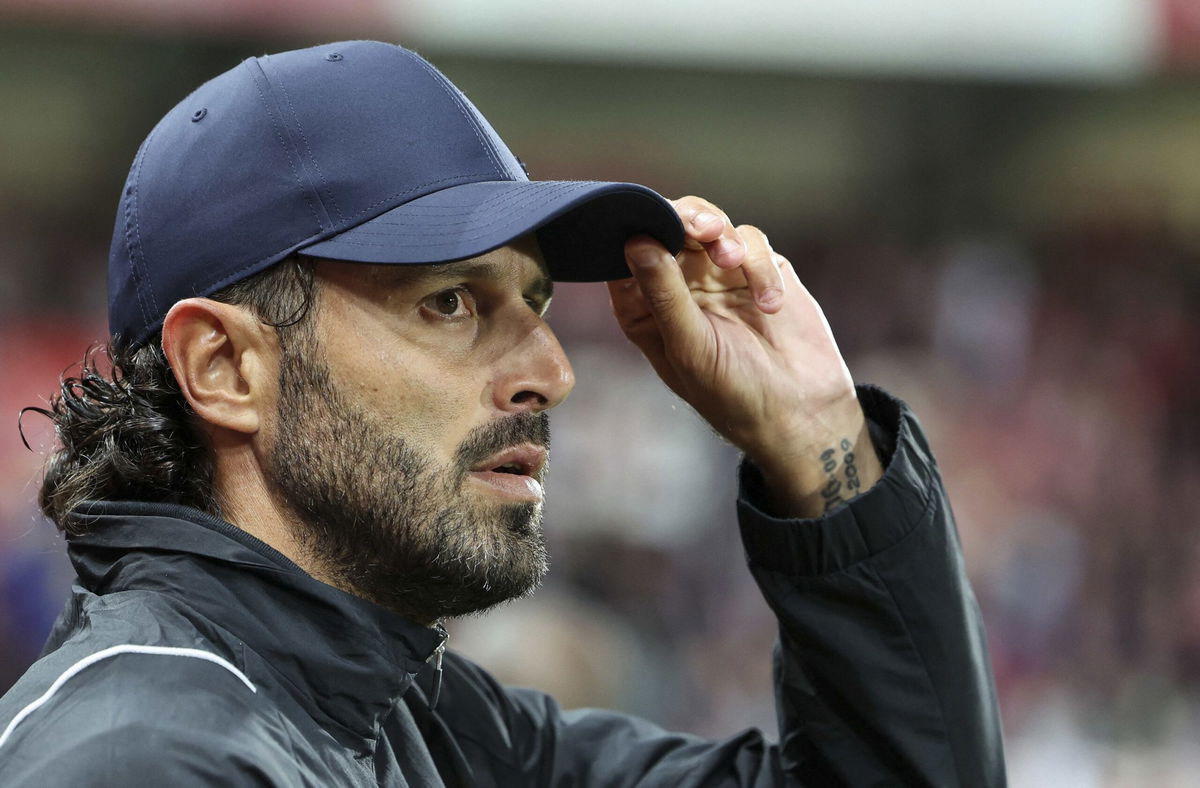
(455, 303)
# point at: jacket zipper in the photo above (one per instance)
(435, 659)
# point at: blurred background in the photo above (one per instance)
(998, 207)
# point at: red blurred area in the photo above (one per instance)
(1180, 33)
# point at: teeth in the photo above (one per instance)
(509, 467)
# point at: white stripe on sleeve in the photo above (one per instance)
(113, 651)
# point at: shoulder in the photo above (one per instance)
(112, 713)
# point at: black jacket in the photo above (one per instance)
(193, 654)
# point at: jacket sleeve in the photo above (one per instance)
(881, 672)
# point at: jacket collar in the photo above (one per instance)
(347, 660)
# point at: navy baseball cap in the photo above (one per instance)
(359, 151)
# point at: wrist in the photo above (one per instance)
(819, 474)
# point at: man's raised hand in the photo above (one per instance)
(729, 327)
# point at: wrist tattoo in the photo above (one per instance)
(839, 485)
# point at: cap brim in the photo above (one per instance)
(582, 226)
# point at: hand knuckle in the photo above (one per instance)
(696, 204)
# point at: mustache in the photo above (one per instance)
(488, 439)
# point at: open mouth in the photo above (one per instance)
(525, 459)
(514, 472)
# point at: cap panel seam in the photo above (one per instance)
(308, 150)
(146, 301)
(275, 126)
(458, 98)
(132, 242)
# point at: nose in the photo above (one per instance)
(533, 375)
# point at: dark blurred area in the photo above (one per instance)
(1017, 257)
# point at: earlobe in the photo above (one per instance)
(217, 352)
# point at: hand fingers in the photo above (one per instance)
(708, 228)
(629, 306)
(665, 293)
(636, 321)
(761, 267)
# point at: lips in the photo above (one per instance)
(513, 474)
(525, 459)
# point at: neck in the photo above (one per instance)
(246, 501)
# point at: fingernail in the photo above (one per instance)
(770, 296)
(704, 219)
(727, 247)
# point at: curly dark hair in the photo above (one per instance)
(124, 429)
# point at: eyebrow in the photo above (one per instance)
(542, 286)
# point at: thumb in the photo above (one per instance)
(666, 292)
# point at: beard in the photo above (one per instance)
(388, 523)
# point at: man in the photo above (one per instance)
(326, 433)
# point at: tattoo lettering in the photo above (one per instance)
(831, 493)
(837, 490)
(851, 470)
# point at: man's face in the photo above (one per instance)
(412, 431)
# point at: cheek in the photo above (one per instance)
(417, 398)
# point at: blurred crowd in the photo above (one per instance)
(1060, 382)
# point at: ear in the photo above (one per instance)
(224, 360)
